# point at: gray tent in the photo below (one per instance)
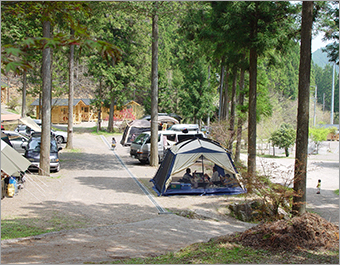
(183, 155)
(136, 127)
(133, 129)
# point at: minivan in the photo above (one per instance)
(141, 146)
(32, 152)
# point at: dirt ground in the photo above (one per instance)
(108, 215)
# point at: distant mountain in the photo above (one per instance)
(320, 58)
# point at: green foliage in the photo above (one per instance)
(284, 137)
(323, 80)
(318, 134)
(330, 25)
(13, 103)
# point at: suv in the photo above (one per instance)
(32, 152)
(141, 146)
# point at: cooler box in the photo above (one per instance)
(185, 186)
(175, 185)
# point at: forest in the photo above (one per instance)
(232, 62)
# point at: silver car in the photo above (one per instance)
(16, 140)
(60, 136)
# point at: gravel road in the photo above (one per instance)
(96, 190)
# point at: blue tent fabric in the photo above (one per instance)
(192, 149)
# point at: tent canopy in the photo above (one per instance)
(11, 160)
(184, 154)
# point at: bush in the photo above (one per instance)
(318, 135)
(13, 103)
(284, 137)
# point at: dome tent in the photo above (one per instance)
(183, 155)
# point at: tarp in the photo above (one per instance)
(11, 160)
(183, 155)
(31, 123)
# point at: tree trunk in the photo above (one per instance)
(46, 106)
(252, 109)
(221, 109)
(301, 153)
(154, 90)
(24, 88)
(112, 106)
(69, 143)
(99, 120)
(225, 96)
(112, 109)
(232, 111)
(240, 119)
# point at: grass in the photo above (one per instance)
(103, 132)
(216, 252)
(15, 229)
(336, 192)
(24, 227)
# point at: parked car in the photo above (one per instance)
(32, 152)
(60, 136)
(16, 139)
(141, 146)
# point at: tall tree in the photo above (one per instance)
(69, 143)
(301, 153)
(330, 25)
(44, 168)
(154, 89)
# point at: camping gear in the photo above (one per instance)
(12, 187)
(183, 155)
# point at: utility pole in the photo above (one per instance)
(332, 105)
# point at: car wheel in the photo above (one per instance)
(60, 139)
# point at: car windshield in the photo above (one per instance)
(34, 145)
(141, 138)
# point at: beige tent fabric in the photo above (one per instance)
(11, 160)
(185, 158)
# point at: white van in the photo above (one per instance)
(141, 146)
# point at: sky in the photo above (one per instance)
(317, 43)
